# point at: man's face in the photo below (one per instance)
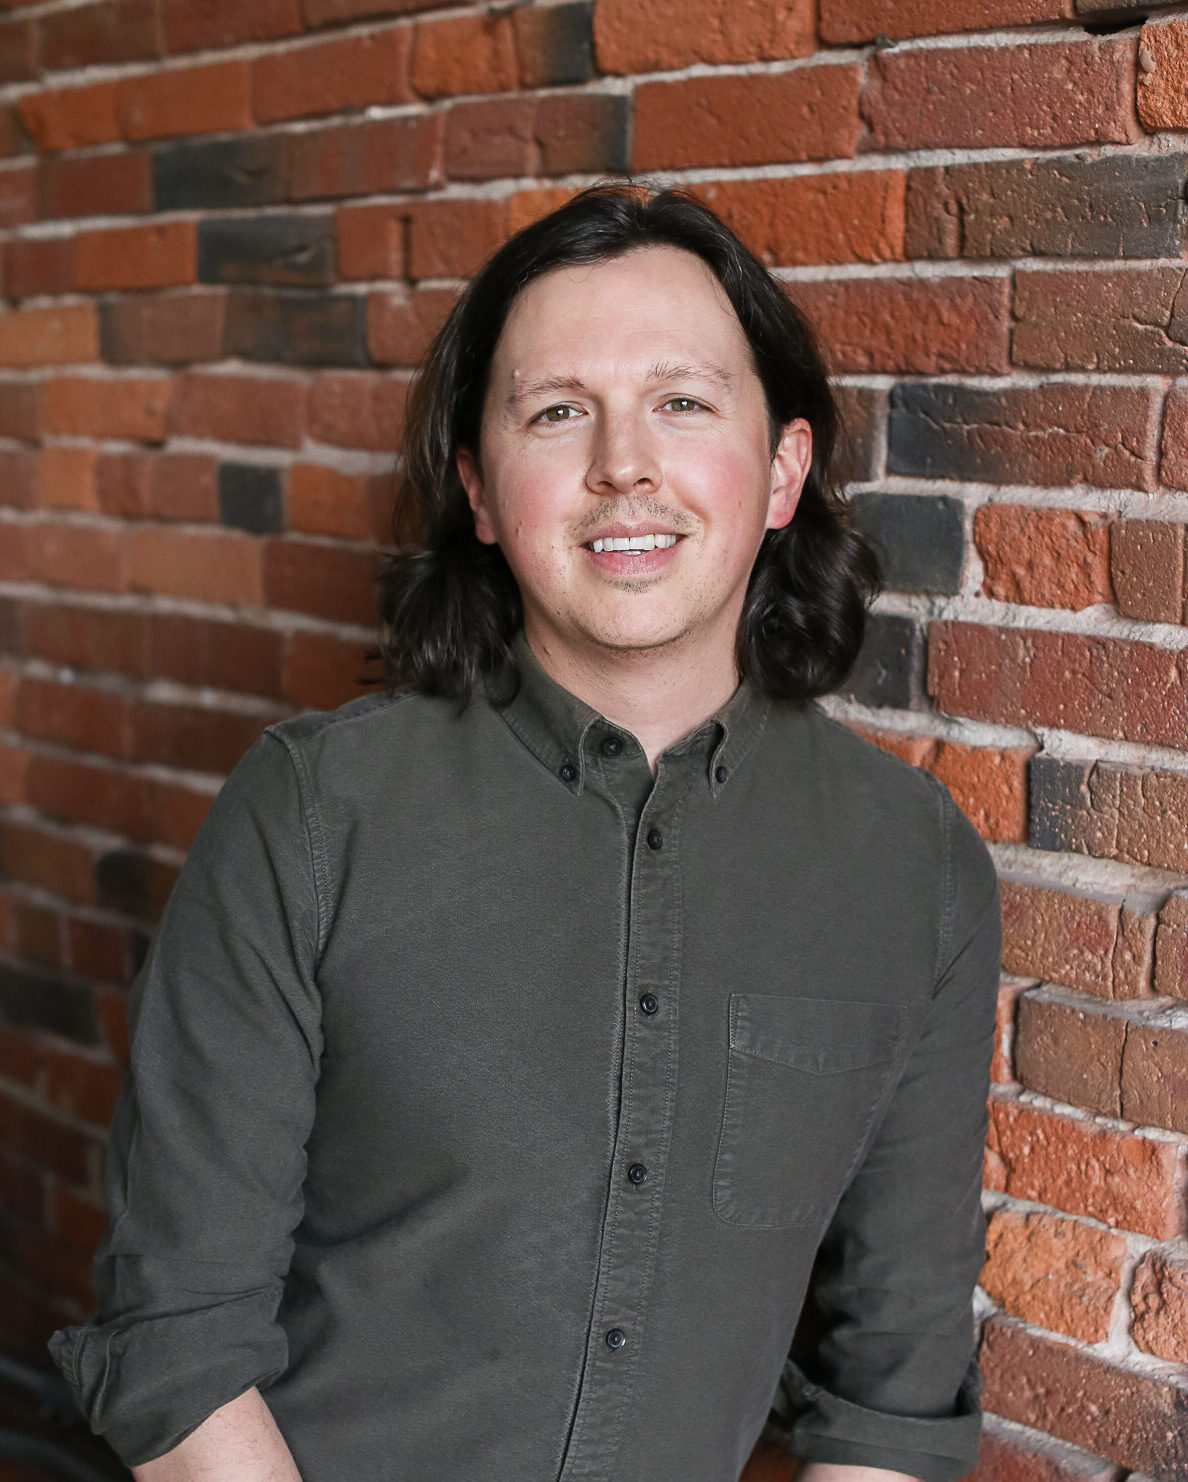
(622, 406)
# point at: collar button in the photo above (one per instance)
(611, 745)
(567, 772)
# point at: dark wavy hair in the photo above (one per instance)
(449, 605)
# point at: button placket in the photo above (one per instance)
(647, 1090)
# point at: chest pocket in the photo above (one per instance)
(805, 1080)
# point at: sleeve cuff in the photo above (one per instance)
(824, 1427)
(145, 1384)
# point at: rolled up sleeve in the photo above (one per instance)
(892, 1379)
(206, 1155)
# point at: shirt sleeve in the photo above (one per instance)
(892, 1380)
(205, 1158)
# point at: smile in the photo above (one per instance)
(634, 543)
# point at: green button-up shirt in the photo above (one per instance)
(491, 1099)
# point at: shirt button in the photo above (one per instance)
(649, 1003)
(612, 745)
(720, 774)
(637, 1173)
(615, 1338)
(655, 838)
(568, 772)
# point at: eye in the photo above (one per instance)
(551, 415)
(684, 404)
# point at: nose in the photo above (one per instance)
(624, 459)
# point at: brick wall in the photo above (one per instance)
(227, 229)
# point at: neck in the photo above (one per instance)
(658, 695)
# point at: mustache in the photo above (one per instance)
(629, 508)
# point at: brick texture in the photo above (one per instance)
(668, 34)
(1044, 557)
(1094, 946)
(1055, 1273)
(1159, 1300)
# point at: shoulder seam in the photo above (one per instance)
(315, 838)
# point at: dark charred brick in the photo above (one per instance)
(19, 410)
(35, 1002)
(17, 49)
(583, 133)
(291, 329)
(1056, 789)
(921, 539)
(134, 883)
(290, 251)
(11, 641)
(863, 410)
(250, 498)
(1122, 206)
(556, 44)
(247, 171)
(889, 658)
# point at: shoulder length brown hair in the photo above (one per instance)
(449, 605)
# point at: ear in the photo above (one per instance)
(789, 469)
(473, 484)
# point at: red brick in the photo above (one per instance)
(333, 12)
(81, 717)
(364, 158)
(491, 138)
(72, 118)
(164, 329)
(807, 114)
(465, 54)
(326, 501)
(38, 933)
(96, 184)
(323, 671)
(582, 133)
(1173, 466)
(450, 239)
(1159, 1299)
(1163, 76)
(981, 97)
(844, 21)
(64, 553)
(526, 206)
(669, 34)
(96, 35)
(31, 1135)
(326, 581)
(1093, 946)
(1155, 1073)
(1070, 1050)
(1149, 568)
(371, 241)
(90, 637)
(193, 738)
(59, 335)
(357, 409)
(1134, 1417)
(988, 785)
(1127, 691)
(350, 72)
(234, 656)
(1044, 557)
(1135, 814)
(851, 216)
(18, 196)
(200, 566)
(78, 792)
(13, 137)
(18, 51)
(401, 324)
(20, 410)
(186, 100)
(160, 255)
(159, 486)
(18, 490)
(1057, 1273)
(209, 25)
(87, 406)
(67, 478)
(1124, 319)
(78, 1221)
(1002, 1070)
(35, 266)
(1119, 1178)
(928, 326)
(263, 410)
(1171, 948)
(83, 1088)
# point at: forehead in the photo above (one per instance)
(651, 301)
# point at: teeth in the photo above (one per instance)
(635, 543)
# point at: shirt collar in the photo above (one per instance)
(565, 734)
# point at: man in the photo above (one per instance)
(518, 1043)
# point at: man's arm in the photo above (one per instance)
(239, 1442)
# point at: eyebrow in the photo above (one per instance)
(663, 370)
